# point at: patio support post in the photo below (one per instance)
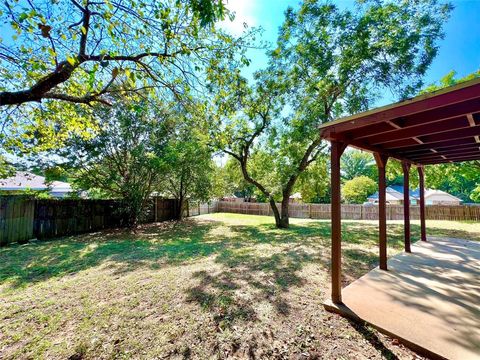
(337, 149)
(381, 161)
(421, 186)
(406, 204)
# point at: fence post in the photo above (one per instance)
(155, 204)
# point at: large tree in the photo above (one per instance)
(62, 55)
(125, 158)
(355, 163)
(74, 50)
(328, 62)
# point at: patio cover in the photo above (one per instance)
(438, 127)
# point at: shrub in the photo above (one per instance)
(357, 190)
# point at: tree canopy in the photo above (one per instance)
(328, 62)
(136, 96)
(76, 50)
(125, 158)
(188, 172)
(57, 57)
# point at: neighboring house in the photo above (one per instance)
(295, 198)
(394, 197)
(439, 197)
(232, 198)
(432, 197)
(24, 180)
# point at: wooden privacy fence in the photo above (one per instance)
(355, 211)
(16, 219)
(22, 219)
(55, 218)
(194, 209)
(163, 210)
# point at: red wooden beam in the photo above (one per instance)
(406, 205)
(451, 159)
(381, 161)
(460, 153)
(441, 150)
(461, 93)
(421, 186)
(428, 116)
(444, 137)
(419, 131)
(373, 149)
(373, 129)
(446, 145)
(336, 151)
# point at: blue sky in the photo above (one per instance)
(459, 51)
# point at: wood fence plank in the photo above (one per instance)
(355, 211)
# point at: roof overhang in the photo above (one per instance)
(438, 127)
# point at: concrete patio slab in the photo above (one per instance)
(429, 299)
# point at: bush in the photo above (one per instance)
(357, 190)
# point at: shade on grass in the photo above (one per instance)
(212, 283)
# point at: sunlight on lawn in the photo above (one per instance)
(214, 284)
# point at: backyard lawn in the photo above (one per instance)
(214, 286)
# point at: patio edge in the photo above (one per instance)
(345, 311)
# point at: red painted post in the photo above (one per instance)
(421, 186)
(381, 161)
(406, 205)
(337, 149)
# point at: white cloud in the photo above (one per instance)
(244, 14)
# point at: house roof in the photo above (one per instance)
(23, 180)
(395, 192)
(297, 195)
(399, 188)
(392, 195)
(438, 127)
(432, 192)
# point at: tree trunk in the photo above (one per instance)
(132, 218)
(179, 209)
(276, 213)
(281, 218)
(284, 220)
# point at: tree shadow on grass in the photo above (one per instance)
(151, 246)
(372, 337)
(155, 245)
(263, 276)
(250, 276)
(247, 279)
(125, 251)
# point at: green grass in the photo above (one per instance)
(215, 286)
